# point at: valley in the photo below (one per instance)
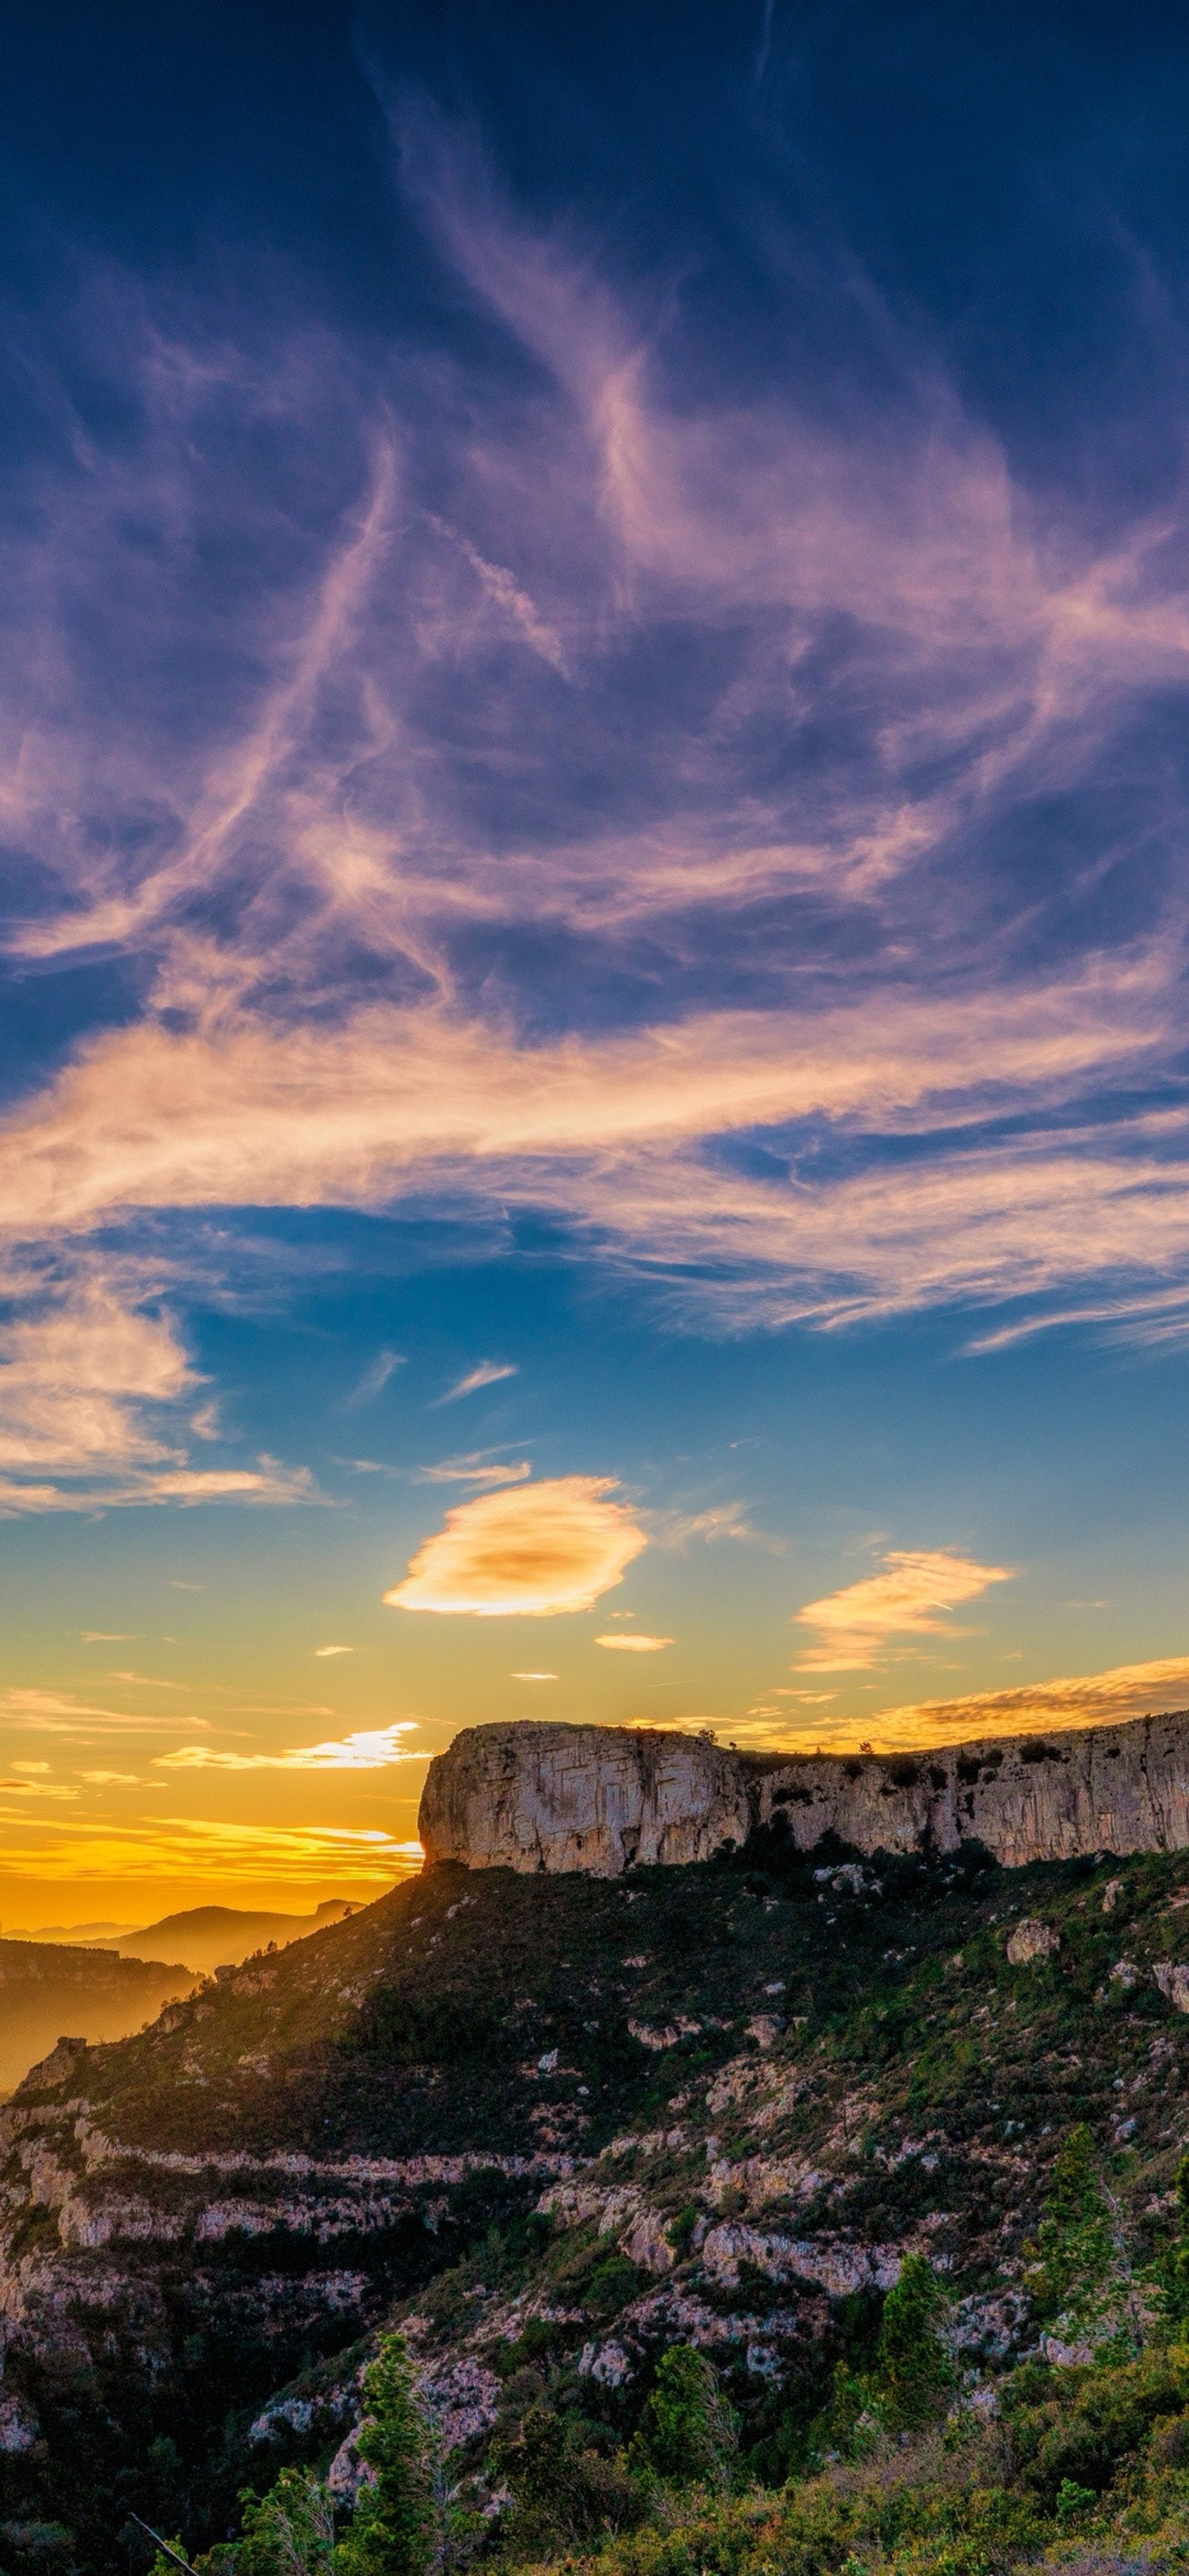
(554, 2124)
(45, 1990)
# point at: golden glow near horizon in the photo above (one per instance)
(593, 1001)
(125, 1861)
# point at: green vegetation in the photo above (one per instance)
(394, 2528)
(288, 2532)
(689, 2436)
(600, 2262)
(915, 2375)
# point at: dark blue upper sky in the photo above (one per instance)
(593, 801)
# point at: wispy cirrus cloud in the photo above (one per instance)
(487, 1373)
(41, 1711)
(939, 1090)
(479, 1467)
(96, 1393)
(912, 1597)
(368, 1749)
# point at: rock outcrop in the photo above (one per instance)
(601, 1799)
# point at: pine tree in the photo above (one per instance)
(394, 2528)
(1075, 2250)
(914, 2373)
(288, 2532)
(690, 2434)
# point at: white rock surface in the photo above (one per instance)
(543, 1797)
(1031, 1940)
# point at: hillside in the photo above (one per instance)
(207, 1937)
(45, 1990)
(558, 2123)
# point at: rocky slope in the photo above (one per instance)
(530, 1797)
(555, 2121)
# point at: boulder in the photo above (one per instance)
(1031, 1940)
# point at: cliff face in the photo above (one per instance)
(534, 1797)
(597, 1799)
(598, 2113)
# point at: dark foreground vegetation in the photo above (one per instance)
(782, 2212)
(905, 2471)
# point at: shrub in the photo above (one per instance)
(1092, 2419)
(563, 2490)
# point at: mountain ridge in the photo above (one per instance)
(551, 2122)
(213, 1936)
(544, 1797)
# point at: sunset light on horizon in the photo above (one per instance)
(595, 1125)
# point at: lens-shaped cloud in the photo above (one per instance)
(856, 1625)
(528, 1553)
(634, 1645)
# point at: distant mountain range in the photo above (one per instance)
(205, 1937)
(46, 1989)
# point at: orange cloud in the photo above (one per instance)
(532, 1552)
(1078, 1699)
(367, 1750)
(634, 1645)
(1073, 1700)
(166, 1849)
(855, 1625)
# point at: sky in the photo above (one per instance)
(594, 782)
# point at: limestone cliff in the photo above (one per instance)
(598, 1799)
(559, 2122)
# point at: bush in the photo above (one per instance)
(1092, 2419)
(563, 2490)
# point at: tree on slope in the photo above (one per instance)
(690, 2434)
(914, 2373)
(288, 2532)
(394, 2530)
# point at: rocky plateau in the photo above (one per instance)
(649, 2051)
